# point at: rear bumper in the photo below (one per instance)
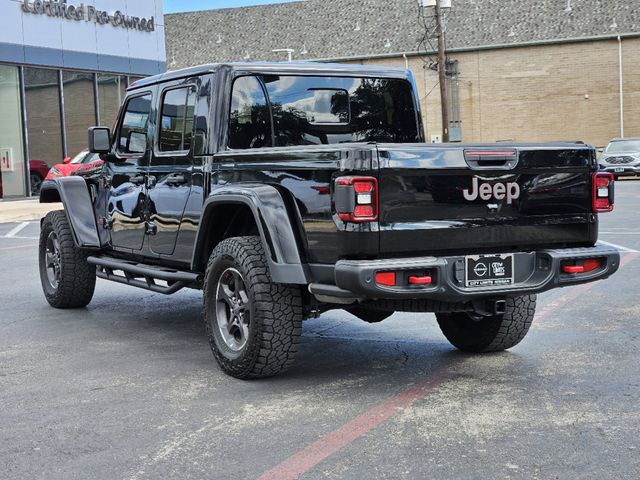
(535, 272)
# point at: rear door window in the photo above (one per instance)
(176, 125)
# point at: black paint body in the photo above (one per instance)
(169, 209)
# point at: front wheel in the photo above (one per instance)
(67, 279)
(253, 325)
(476, 334)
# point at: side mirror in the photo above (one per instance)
(136, 142)
(66, 160)
(99, 140)
(600, 150)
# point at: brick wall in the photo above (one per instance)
(539, 94)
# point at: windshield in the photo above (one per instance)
(84, 157)
(626, 146)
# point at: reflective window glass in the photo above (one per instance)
(111, 92)
(132, 137)
(249, 119)
(79, 109)
(327, 110)
(12, 168)
(176, 126)
(42, 102)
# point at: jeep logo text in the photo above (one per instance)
(497, 191)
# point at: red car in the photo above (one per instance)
(84, 159)
(39, 170)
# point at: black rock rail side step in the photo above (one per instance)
(144, 276)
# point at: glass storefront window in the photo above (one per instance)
(111, 91)
(43, 115)
(12, 168)
(79, 109)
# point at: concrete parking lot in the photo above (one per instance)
(128, 389)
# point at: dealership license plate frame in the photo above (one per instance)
(473, 278)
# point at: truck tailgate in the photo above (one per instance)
(436, 198)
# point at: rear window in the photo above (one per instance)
(323, 110)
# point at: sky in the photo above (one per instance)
(172, 6)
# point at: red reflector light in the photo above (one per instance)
(363, 187)
(583, 266)
(363, 211)
(425, 280)
(386, 278)
(603, 185)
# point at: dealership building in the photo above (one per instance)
(64, 66)
(518, 70)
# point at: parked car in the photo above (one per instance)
(286, 190)
(621, 157)
(38, 170)
(70, 165)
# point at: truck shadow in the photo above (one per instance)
(334, 347)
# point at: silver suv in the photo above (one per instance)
(621, 157)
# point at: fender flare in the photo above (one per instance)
(74, 195)
(274, 226)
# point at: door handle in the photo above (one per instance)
(175, 179)
(137, 179)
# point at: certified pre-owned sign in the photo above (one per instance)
(87, 13)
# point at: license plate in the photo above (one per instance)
(619, 169)
(489, 270)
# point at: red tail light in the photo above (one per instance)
(356, 199)
(603, 192)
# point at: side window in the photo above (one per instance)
(249, 118)
(176, 125)
(132, 136)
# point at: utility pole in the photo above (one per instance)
(442, 70)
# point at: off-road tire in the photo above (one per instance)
(475, 334)
(77, 278)
(275, 323)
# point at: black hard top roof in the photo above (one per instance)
(273, 68)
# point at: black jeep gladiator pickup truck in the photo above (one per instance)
(286, 190)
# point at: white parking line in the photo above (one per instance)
(619, 247)
(17, 230)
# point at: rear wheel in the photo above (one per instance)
(67, 279)
(253, 324)
(474, 333)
